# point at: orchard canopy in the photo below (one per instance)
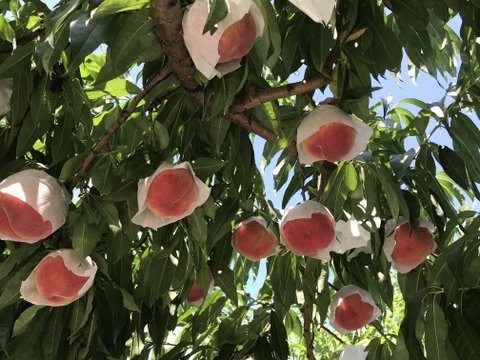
(134, 220)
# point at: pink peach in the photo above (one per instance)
(172, 193)
(237, 40)
(253, 240)
(331, 142)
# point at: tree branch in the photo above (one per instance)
(167, 70)
(307, 334)
(253, 99)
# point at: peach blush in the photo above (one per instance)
(319, 11)
(351, 309)
(175, 194)
(58, 279)
(32, 206)
(308, 229)
(214, 54)
(328, 133)
(254, 239)
(404, 247)
(195, 296)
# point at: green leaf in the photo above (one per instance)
(205, 167)
(24, 319)
(225, 279)
(436, 330)
(84, 238)
(18, 62)
(110, 7)
(223, 221)
(6, 31)
(198, 226)
(86, 35)
(279, 337)
(52, 334)
(218, 10)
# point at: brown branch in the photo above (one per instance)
(325, 171)
(168, 16)
(253, 99)
(24, 39)
(307, 334)
(167, 70)
(333, 334)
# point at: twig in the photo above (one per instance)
(333, 334)
(325, 171)
(307, 334)
(301, 177)
(24, 39)
(120, 121)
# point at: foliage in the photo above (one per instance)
(100, 99)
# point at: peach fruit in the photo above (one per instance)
(253, 240)
(58, 279)
(308, 229)
(220, 52)
(171, 193)
(32, 206)
(57, 283)
(351, 309)
(405, 247)
(237, 40)
(18, 220)
(328, 133)
(196, 296)
(331, 142)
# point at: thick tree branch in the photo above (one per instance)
(167, 70)
(253, 99)
(168, 16)
(307, 333)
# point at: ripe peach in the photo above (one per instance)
(171, 193)
(220, 53)
(237, 39)
(331, 142)
(196, 296)
(57, 283)
(58, 279)
(253, 240)
(328, 133)
(32, 206)
(406, 248)
(18, 220)
(308, 229)
(351, 309)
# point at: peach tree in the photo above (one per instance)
(134, 216)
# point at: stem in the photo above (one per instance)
(307, 334)
(120, 121)
(333, 334)
(325, 171)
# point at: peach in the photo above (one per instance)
(331, 142)
(319, 11)
(32, 206)
(328, 133)
(58, 279)
(220, 53)
(237, 39)
(57, 283)
(407, 248)
(253, 240)
(171, 193)
(196, 296)
(308, 229)
(351, 309)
